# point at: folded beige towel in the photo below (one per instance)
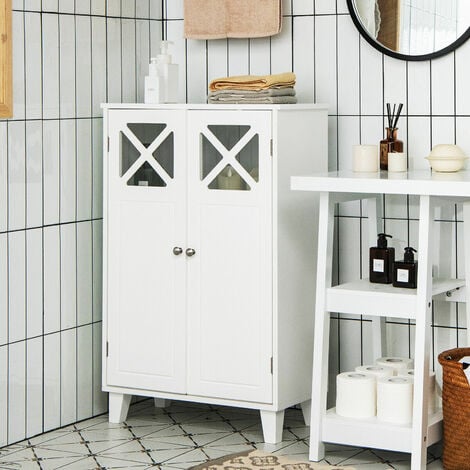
(253, 82)
(215, 19)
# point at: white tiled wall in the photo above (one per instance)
(71, 55)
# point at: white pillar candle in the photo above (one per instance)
(229, 179)
(365, 158)
(396, 161)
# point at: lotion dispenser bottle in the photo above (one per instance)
(405, 272)
(168, 74)
(153, 89)
(381, 258)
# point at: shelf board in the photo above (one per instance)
(366, 298)
(374, 433)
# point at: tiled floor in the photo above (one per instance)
(178, 437)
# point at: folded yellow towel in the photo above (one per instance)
(253, 82)
(216, 19)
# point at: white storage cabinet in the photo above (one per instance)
(208, 256)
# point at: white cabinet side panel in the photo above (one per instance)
(301, 148)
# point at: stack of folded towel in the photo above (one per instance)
(266, 89)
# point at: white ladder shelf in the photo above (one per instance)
(379, 301)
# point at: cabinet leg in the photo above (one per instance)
(317, 451)
(273, 423)
(306, 411)
(161, 402)
(118, 407)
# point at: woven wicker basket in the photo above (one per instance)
(456, 409)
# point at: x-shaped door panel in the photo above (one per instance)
(229, 157)
(147, 154)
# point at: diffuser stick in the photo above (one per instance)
(400, 106)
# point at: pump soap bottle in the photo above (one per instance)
(153, 89)
(381, 258)
(168, 74)
(405, 272)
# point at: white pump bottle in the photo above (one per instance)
(153, 84)
(167, 74)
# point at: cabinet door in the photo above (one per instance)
(146, 220)
(230, 275)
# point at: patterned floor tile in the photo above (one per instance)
(168, 442)
(50, 451)
(116, 462)
(207, 427)
(167, 455)
(230, 449)
(181, 436)
(59, 462)
(362, 457)
(293, 449)
(17, 456)
(101, 446)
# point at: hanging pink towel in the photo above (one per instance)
(216, 19)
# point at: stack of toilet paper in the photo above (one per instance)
(384, 389)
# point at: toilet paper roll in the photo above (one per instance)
(395, 399)
(396, 363)
(433, 398)
(355, 395)
(375, 370)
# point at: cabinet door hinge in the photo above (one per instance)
(107, 349)
(271, 147)
(271, 365)
(108, 144)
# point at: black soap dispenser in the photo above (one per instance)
(381, 260)
(405, 273)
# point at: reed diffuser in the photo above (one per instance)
(391, 142)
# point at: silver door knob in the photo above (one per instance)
(190, 251)
(177, 250)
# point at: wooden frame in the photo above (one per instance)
(6, 74)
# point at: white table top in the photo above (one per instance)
(417, 182)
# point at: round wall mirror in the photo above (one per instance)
(412, 29)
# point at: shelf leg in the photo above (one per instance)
(306, 411)
(161, 402)
(118, 407)
(422, 336)
(374, 214)
(466, 227)
(273, 424)
(322, 326)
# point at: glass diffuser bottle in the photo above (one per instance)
(390, 144)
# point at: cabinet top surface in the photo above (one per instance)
(241, 107)
(417, 182)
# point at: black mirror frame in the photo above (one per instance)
(451, 47)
